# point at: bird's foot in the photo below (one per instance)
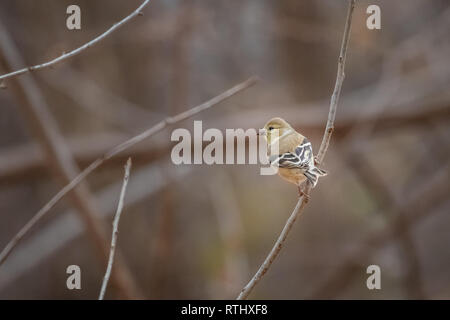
(301, 193)
(316, 161)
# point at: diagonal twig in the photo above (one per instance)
(60, 161)
(65, 227)
(116, 150)
(321, 154)
(75, 52)
(115, 230)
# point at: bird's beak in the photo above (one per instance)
(262, 132)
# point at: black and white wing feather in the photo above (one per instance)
(303, 159)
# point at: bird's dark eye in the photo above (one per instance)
(270, 128)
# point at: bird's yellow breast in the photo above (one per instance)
(294, 176)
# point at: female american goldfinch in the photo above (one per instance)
(294, 159)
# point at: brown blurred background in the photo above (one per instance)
(200, 232)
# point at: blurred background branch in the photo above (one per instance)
(388, 163)
(71, 184)
(60, 161)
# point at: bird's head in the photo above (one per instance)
(275, 127)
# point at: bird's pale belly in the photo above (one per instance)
(294, 176)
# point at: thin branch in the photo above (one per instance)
(116, 150)
(60, 161)
(65, 227)
(20, 162)
(75, 52)
(115, 230)
(321, 154)
(416, 205)
(275, 250)
(338, 85)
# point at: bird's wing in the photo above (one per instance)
(301, 158)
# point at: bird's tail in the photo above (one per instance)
(313, 174)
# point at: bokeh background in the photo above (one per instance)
(201, 232)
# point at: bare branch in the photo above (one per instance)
(65, 227)
(116, 150)
(75, 52)
(275, 250)
(26, 160)
(323, 149)
(115, 230)
(60, 162)
(337, 87)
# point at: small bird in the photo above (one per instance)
(294, 159)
